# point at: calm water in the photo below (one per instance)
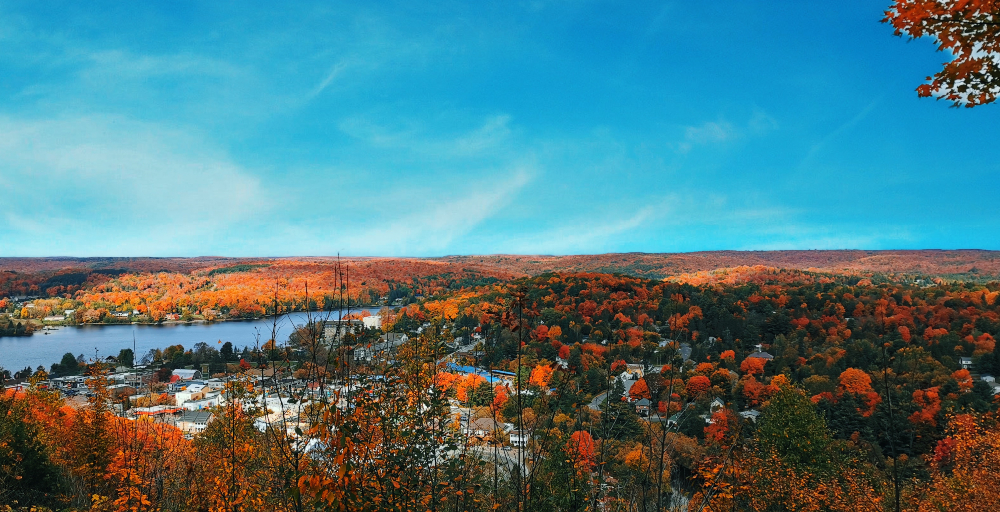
(45, 349)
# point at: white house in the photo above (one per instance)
(482, 428)
(204, 403)
(372, 322)
(193, 422)
(519, 438)
(191, 394)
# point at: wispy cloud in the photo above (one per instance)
(332, 75)
(722, 131)
(706, 133)
(434, 227)
(422, 139)
(840, 130)
(586, 235)
(800, 236)
(98, 181)
(493, 132)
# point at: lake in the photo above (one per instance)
(107, 340)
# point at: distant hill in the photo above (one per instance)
(956, 264)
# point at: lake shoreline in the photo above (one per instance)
(42, 326)
(49, 345)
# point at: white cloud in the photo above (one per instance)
(672, 222)
(490, 135)
(120, 64)
(718, 132)
(332, 75)
(583, 236)
(844, 127)
(96, 182)
(492, 132)
(432, 228)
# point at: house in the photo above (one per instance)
(172, 316)
(372, 322)
(156, 410)
(751, 415)
(716, 405)
(192, 422)
(205, 403)
(685, 351)
(642, 407)
(673, 420)
(335, 330)
(386, 343)
(627, 384)
(117, 391)
(121, 315)
(635, 371)
(987, 378)
(190, 394)
(482, 428)
(965, 363)
(996, 388)
(519, 438)
(761, 355)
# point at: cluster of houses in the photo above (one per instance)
(966, 364)
(487, 430)
(186, 402)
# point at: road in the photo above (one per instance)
(595, 404)
(507, 459)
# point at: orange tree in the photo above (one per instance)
(383, 441)
(963, 467)
(967, 29)
(793, 456)
(27, 474)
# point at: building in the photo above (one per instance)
(965, 363)
(642, 407)
(189, 395)
(334, 330)
(519, 438)
(372, 322)
(204, 403)
(387, 342)
(156, 410)
(482, 428)
(193, 422)
(635, 371)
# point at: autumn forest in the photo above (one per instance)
(751, 387)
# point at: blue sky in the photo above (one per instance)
(422, 129)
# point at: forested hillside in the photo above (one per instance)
(831, 391)
(150, 289)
